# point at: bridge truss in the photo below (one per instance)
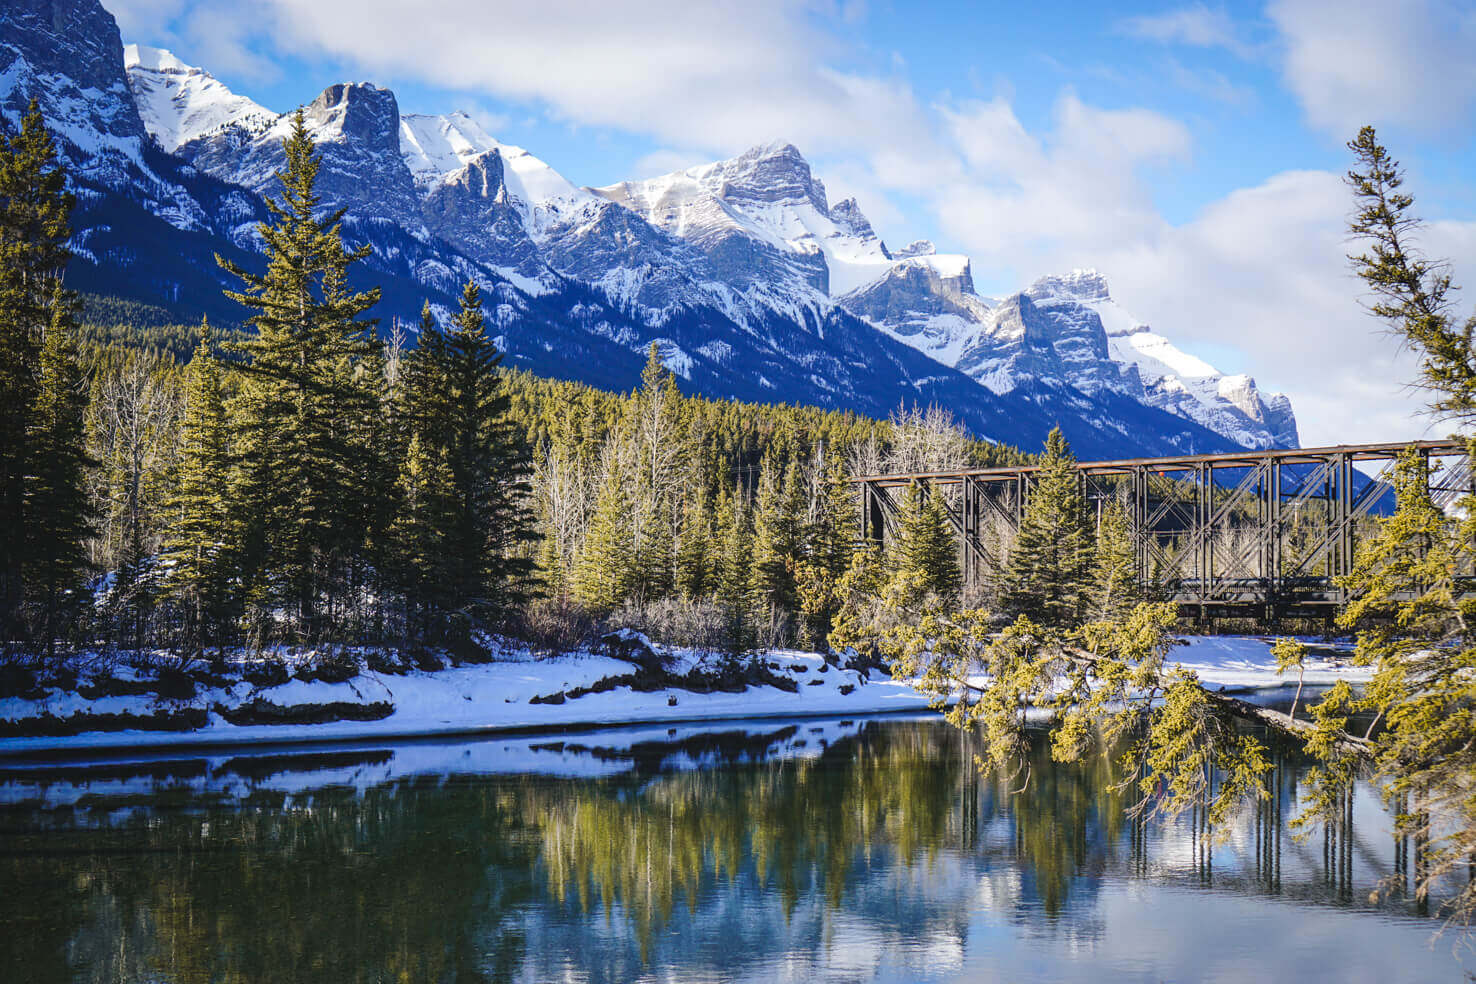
(1260, 533)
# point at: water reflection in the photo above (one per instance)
(832, 850)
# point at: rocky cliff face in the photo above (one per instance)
(356, 128)
(67, 55)
(1159, 374)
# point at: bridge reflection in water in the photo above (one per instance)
(823, 850)
(1259, 533)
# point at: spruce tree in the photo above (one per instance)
(735, 594)
(303, 400)
(778, 542)
(1115, 588)
(659, 449)
(56, 507)
(833, 533)
(421, 563)
(1048, 574)
(924, 554)
(831, 541)
(695, 548)
(201, 542)
(603, 573)
(465, 418)
(35, 211)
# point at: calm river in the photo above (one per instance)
(768, 851)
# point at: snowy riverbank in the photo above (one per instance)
(519, 692)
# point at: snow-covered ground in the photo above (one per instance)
(497, 696)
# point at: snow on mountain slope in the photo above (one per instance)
(180, 102)
(355, 128)
(925, 300)
(762, 204)
(437, 148)
(1171, 379)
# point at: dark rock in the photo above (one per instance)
(49, 725)
(335, 666)
(19, 681)
(632, 647)
(261, 711)
(381, 661)
(174, 683)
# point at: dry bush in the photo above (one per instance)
(555, 625)
(701, 625)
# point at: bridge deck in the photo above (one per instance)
(1242, 532)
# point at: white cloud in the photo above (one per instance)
(216, 36)
(1196, 25)
(715, 76)
(1263, 270)
(1026, 202)
(1405, 62)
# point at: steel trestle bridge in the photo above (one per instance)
(1245, 533)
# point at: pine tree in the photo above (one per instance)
(303, 400)
(924, 555)
(1048, 573)
(35, 211)
(465, 418)
(201, 542)
(778, 527)
(695, 549)
(831, 541)
(603, 572)
(660, 454)
(833, 533)
(735, 594)
(1115, 588)
(418, 538)
(1412, 292)
(56, 508)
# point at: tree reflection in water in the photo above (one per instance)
(221, 874)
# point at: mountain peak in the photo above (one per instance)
(180, 103)
(773, 173)
(774, 149)
(847, 215)
(360, 111)
(156, 60)
(1085, 285)
(918, 247)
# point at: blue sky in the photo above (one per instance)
(1192, 152)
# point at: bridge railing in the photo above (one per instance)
(1232, 531)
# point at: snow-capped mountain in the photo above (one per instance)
(180, 103)
(750, 282)
(1064, 331)
(1169, 378)
(763, 219)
